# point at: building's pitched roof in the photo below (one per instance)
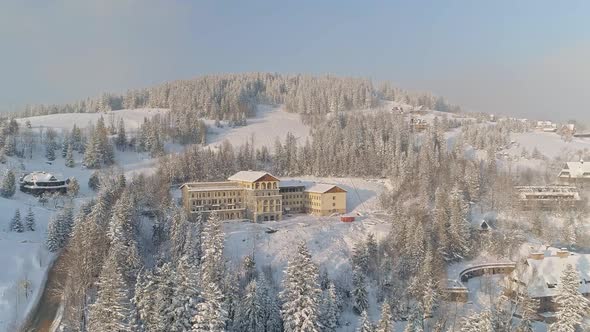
(209, 186)
(322, 188)
(554, 192)
(547, 271)
(39, 177)
(576, 169)
(252, 176)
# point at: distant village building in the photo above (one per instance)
(543, 271)
(548, 197)
(546, 126)
(575, 172)
(38, 183)
(259, 196)
(418, 124)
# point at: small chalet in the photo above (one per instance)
(574, 172)
(542, 274)
(38, 183)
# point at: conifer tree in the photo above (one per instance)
(8, 185)
(112, 310)
(186, 295)
(301, 293)
(479, 322)
(16, 224)
(212, 262)
(30, 221)
(53, 235)
(50, 151)
(365, 323)
(73, 187)
(386, 321)
(359, 291)
(70, 156)
(121, 140)
(329, 313)
(210, 314)
(572, 305)
(249, 314)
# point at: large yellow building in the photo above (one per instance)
(259, 196)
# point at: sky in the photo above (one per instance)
(523, 58)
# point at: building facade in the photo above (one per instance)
(38, 183)
(325, 199)
(575, 173)
(259, 196)
(548, 197)
(293, 194)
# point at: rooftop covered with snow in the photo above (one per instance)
(251, 176)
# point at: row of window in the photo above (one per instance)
(208, 194)
(217, 201)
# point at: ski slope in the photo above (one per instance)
(270, 123)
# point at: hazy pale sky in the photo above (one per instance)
(527, 58)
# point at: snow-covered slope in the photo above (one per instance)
(132, 117)
(269, 123)
(549, 144)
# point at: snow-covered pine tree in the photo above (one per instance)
(360, 258)
(459, 233)
(178, 233)
(54, 237)
(73, 187)
(30, 220)
(572, 305)
(50, 151)
(70, 156)
(329, 310)
(8, 185)
(10, 146)
(249, 314)
(154, 296)
(212, 262)
(372, 254)
(301, 293)
(16, 224)
(270, 309)
(94, 181)
(478, 322)
(365, 323)
(112, 310)
(416, 320)
(210, 314)
(92, 153)
(386, 321)
(122, 230)
(529, 309)
(359, 291)
(186, 295)
(121, 140)
(65, 224)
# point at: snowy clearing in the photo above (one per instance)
(270, 122)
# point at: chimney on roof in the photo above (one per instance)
(538, 256)
(563, 253)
